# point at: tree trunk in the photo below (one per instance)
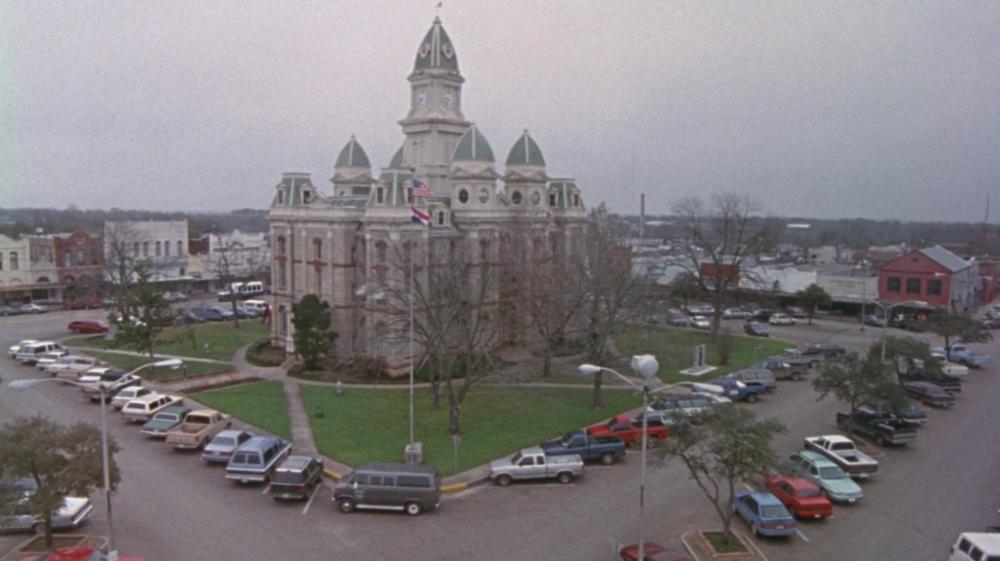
(48, 530)
(435, 390)
(236, 318)
(598, 403)
(547, 365)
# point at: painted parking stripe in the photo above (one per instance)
(801, 535)
(264, 490)
(310, 501)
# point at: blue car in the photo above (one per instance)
(735, 390)
(765, 514)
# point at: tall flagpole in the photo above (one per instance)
(410, 255)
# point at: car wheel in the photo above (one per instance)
(38, 528)
(752, 398)
(503, 480)
(414, 508)
(564, 477)
(346, 506)
(607, 458)
(754, 530)
(881, 441)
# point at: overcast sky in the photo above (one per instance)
(826, 109)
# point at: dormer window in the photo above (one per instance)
(576, 200)
(306, 195)
(441, 218)
(380, 195)
(552, 199)
(281, 197)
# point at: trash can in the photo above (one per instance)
(414, 453)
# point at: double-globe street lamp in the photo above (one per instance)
(887, 314)
(647, 367)
(102, 390)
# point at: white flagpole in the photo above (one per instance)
(411, 340)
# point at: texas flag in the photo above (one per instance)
(420, 217)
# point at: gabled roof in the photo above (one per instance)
(945, 258)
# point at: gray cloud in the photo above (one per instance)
(816, 109)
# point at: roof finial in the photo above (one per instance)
(437, 12)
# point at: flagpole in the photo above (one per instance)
(411, 340)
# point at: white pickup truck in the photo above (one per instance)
(842, 451)
(533, 463)
(199, 427)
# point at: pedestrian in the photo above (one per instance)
(265, 318)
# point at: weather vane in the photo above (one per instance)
(437, 8)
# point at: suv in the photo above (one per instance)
(412, 488)
(29, 354)
(755, 376)
(783, 370)
(296, 478)
(257, 459)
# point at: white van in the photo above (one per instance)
(258, 305)
(29, 354)
(976, 546)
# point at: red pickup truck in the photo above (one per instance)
(628, 430)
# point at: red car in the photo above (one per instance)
(87, 326)
(801, 496)
(651, 552)
(81, 554)
(83, 303)
(628, 430)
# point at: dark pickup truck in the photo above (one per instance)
(947, 383)
(604, 448)
(884, 429)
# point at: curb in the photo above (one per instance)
(454, 487)
(332, 474)
(748, 540)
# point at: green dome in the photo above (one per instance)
(473, 147)
(436, 50)
(397, 160)
(353, 156)
(525, 153)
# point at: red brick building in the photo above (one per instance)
(80, 262)
(932, 275)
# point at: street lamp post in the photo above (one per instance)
(647, 367)
(105, 460)
(887, 312)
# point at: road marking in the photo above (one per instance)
(264, 490)
(748, 488)
(801, 535)
(310, 501)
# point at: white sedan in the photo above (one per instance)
(700, 322)
(781, 319)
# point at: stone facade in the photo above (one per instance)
(347, 247)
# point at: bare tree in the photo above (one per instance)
(224, 256)
(121, 257)
(607, 288)
(721, 237)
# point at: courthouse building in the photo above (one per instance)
(337, 243)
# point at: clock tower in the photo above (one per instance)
(435, 121)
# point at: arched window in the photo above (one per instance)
(317, 249)
(42, 280)
(180, 248)
(67, 258)
(380, 252)
(13, 261)
(145, 249)
(166, 249)
(81, 259)
(159, 248)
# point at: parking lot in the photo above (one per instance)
(171, 506)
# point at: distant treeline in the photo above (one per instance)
(19, 221)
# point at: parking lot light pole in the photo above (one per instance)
(887, 312)
(105, 460)
(647, 367)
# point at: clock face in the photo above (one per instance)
(535, 198)
(422, 99)
(484, 196)
(447, 100)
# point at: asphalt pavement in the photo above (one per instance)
(170, 506)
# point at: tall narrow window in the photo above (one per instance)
(81, 260)
(135, 249)
(379, 195)
(180, 248)
(13, 261)
(1, 261)
(317, 249)
(159, 248)
(145, 249)
(380, 251)
(166, 249)
(93, 256)
(67, 258)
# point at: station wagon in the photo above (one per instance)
(257, 459)
(142, 409)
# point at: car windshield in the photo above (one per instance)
(773, 511)
(832, 472)
(223, 441)
(808, 493)
(515, 458)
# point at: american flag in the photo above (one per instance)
(420, 189)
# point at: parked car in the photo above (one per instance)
(142, 409)
(72, 365)
(165, 420)
(976, 546)
(668, 408)
(32, 308)
(756, 329)
(49, 358)
(797, 312)
(87, 326)
(874, 320)
(257, 458)
(110, 387)
(83, 303)
(701, 310)
(947, 383)
(781, 319)
(197, 428)
(81, 553)
(761, 314)
(755, 376)
(803, 498)
(681, 321)
(988, 322)
(30, 353)
(782, 370)
(948, 368)
(605, 448)
(815, 467)
(90, 378)
(212, 313)
(629, 431)
(735, 313)
(411, 488)
(296, 477)
(884, 429)
(929, 394)
(14, 349)
(243, 312)
(222, 445)
(174, 296)
(960, 353)
(187, 317)
(765, 514)
(17, 517)
(823, 350)
(126, 395)
(734, 389)
(9, 311)
(908, 412)
(651, 551)
(533, 463)
(842, 451)
(700, 322)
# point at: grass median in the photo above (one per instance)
(262, 404)
(217, 341)
(372, 425)
(131, 362)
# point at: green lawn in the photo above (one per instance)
(222, 339)
(674, 348)
(261, 404)
(129, 362)
(372, 425)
